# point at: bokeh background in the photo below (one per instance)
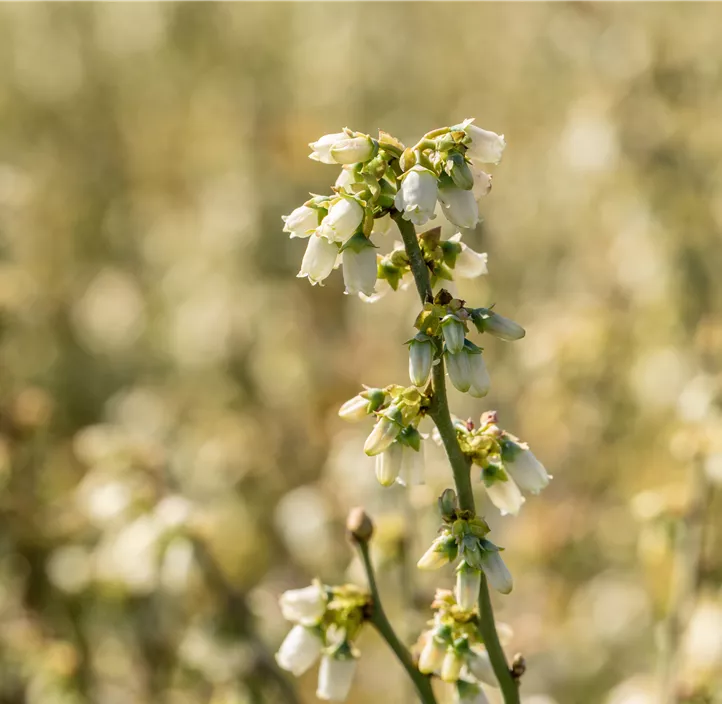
(170, 455)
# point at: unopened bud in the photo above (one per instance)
(359, 525)
(448, 504)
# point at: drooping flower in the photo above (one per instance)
(343, 219)
(469, 693)
(299, 650)
(353, 150)
(496, 571)
(442, 551)
(480, 381)
(469, 263)
(526, 470)
(485, 147)
(468, 581)
(319, 260)
(335, 676)
(421, 357)
(451, 666)
(459, 206)
(505, 495)
(354, 409)
(302, 222)
(453, 332)
(416, 198)
(384, 432)
(434, 650)
(304, 606)
(388, 464)
(459, 370)
(487, 320)
(479, 664)
(359, 270)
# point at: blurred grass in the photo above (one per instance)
(154, 340)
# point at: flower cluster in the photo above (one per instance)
(382, 176)
(327, 620)
(395, 440)
(508, 466)
(464, 536)
(453, 649)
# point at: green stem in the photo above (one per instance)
(380, 621)
(460, 465)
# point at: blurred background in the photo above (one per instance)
(170, 455)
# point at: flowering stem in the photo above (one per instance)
(378, 618)
(460, 464)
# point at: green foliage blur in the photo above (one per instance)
(170, 455)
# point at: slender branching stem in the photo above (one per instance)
(381, 623)
(460, 465)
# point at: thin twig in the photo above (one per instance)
(460, 465)
(378, 618)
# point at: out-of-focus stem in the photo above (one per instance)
(380, 621)
(689, 543)
(460, 465)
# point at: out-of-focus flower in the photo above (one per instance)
(304, 606)
(442, 551)
(480, 667)
(299, 650)
(335, 677)
(480, 381)
(416, 198)
(496, 571)
(469, 263)
(451, 666)
(505, 495)
(384, 432)
(388, 464)
(434, 650)
(526, 470)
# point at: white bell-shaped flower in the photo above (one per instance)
(359, 270)
(335, 677)
(388, 464)
(299, 650)
(432, 654)
(353, 150)
(343, 219)
(319, 260)
(496, 571)
(526, 470)
(416, 198)
(305, 606)
(302, 222)
(480, 381)
(505, 495)
(321, 148)
(459, 206)
(486, 147)
(468, 581)
(386, 430)
(459, 370)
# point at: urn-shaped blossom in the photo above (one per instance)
(416, 198)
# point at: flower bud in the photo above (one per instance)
(479, 664)
(359, 270)
(485, 147)
(505, 495)
(354, 409)
(321, 149)
(434, 650)
(526, 470)
(384, 432)
(353, 150)
(451, 666)
(442, 551)
(336, 675)
(448, 504)
(421, 357)
(305, 606)
(299, 650)
(496, 571)
(416, 198)
(505, 329)
(459, 370)
(453, 331)
(459, 206)
(468, 581)
(344, 218)
(345, 180)
(302, 222)
(460, 172)
(359, 525)
(319, 260)
(388, 464)
(480, 381)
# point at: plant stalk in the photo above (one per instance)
(380, 621)
(460, 465)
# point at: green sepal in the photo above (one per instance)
(459, 171)
(488, 546)
(471, 348)
(410, 437)
(390, 143)
(493, 473)
(357, 243)
(451, 251)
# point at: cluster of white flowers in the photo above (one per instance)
(395, 441)
(383, 182)
(508, 466)
(452, 649)
(379, 176)
(326, 621)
